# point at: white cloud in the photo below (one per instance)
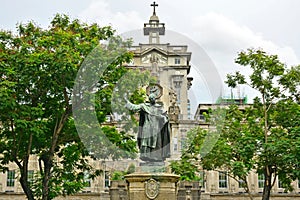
(101, 12)
(221, 37)
(224, 38)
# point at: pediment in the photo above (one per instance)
(154, 49)
(154, 57)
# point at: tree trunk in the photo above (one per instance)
(249, 192)
(24, 177)
(26, 187)
(48, 160)
(46, 178)
(268, 183)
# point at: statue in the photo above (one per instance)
(154, 132)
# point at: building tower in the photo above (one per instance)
(154, 29)
(170, 64)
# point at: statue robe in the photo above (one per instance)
(154, 131)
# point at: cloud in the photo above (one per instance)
(100, 11)
(224, 38)
(220, 36)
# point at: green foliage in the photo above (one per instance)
(120, 175)
(264, 137)
(188, 166)
(38, 68)
(272, 119)
(186, 169)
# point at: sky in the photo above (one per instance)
(221, 28)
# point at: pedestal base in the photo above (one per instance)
(159, 186)
(152, 167)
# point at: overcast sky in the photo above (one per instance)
(221, 27)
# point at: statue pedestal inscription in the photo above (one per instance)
(159, 186)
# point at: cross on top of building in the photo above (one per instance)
(154, 5)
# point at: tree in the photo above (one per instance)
(265, 136)
(278, 143)
(38, 68)
(188, 165)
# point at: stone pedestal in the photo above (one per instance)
(152, 167)
(158, 186)
(118, 190)
(188, 190)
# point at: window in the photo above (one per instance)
(241, 183)
(30, 177)
(175, 144)
(10, 181)
(189, 109)
(280, 185)
(261, 180)
(87, 179)
(222, 179)
(177, 61)
(202, 179)
(298, 183)
(106, 179)
(154, 34)
(183, 143)
(153, 40)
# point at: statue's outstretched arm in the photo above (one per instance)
(131, 106)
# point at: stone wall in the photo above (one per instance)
(188, 190)
(118, 190)
(192, 191)
(90, 196)
(207, 196)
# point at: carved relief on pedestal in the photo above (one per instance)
(152, 188)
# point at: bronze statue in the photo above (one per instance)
(154, 132)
